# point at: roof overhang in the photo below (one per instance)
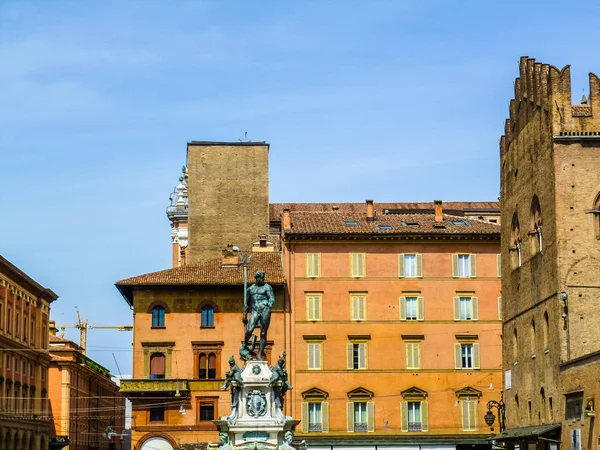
(526, 432)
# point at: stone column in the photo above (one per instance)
(37, 442)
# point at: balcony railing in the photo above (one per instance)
(155, 385)
(360, 427)
(415, 426)
(315, 428)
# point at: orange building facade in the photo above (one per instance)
(24, 360)
(84, 401)
(395, 327)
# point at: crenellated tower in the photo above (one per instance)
(550, 197)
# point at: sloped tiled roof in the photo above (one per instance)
(211, 272)
(581, 110)
(59, 339)
(334, 223)
(276, 209)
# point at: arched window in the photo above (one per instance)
(516, 241)
(537, 243)
(157, 365)
(546, 327)
(207, 366)
(208, 316)
(532, 336)
(158, 316)
(596, 213)
(517, 400)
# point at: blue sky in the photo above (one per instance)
(390, 100)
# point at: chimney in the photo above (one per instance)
(230, 256)
(438, 210)
(287, 220)
(262, 241)
(370, 212)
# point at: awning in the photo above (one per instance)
(525, 432)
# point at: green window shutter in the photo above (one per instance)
(350, 418)
(455, 265)
(370, 417)
(409, 355)
(456, 308)
(457, 357)
(424, 415)
(401, 265)
(474, 308)
(499, 265)
(402, 308)
(476, 358)
(362, 356)
(473, 264)
(404, 414)
(305, 417)
(325, 417)
(499, 308)
(420, 309)
(419, 265)
(350, 354)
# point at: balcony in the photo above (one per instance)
(415, 426)
(315, 428)
(361, 427)
(154, 385)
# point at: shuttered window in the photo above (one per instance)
(315, 417)
(500, 308)
(358, 306)
(415, 416)
(313, 265)
(357, 356)
(469, 415)
(313, 307)
(361, 417)
(314, 355)
(466, 308)
(357, 265)
(410, 265)
(464, 265)
(466, 356)
(413, 355)
(157, 365)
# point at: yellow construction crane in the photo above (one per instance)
(85, 326)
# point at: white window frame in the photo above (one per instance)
(354, 352)
(315, 355)
(464, 313)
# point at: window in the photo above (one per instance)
(466, 308)
(208, 316)
(516, 241)
(469, 415)
(357, 265)
(360, 416)
(499, 265)
(414, 416)
(157, 365)
(9, 321)
(574, 406)
(414, 411)
(18, 327)
(596, 212)
(157, 414)
(545, 331)
(411, 308)
(313, 307)
(313, 265)
(315, 411)
(25, 328)
(532, 336)
(158, 316)
(358, 303)
(357, 356)
(550, 410)
(536, 226)
(464, 265)
(207, 366)
(515, 344)
(410, 265)
(32, 335)
(314, 356)
(207, 411)
(413, 358)
(315, 418)
(466, 356)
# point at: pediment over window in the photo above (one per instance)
(468, 392)
(360, 393)
(414, 392)
(315, 394)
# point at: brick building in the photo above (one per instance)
(24, 360)
(550, 195)
(84, 401)
(451, 324)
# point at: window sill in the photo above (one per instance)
(158, 328)
(207, 327)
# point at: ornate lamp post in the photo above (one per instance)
(489, 417)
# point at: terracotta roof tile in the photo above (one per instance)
(211, 272)
(59, 339)
(581, 110)
(336, 223)
(276, 209)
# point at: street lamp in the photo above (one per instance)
(490, 417)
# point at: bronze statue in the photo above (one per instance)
(259, 300)
(233, 380)
(280, 383)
